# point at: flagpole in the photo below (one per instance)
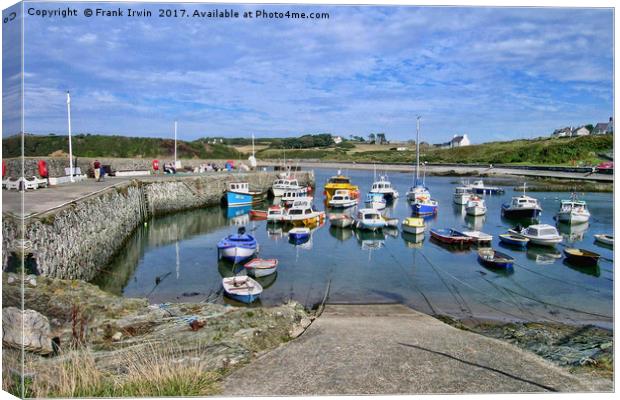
(70, 147)
(175, 144)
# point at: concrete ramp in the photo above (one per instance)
(391, 349)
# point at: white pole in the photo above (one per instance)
(252, 145)
(175, 144)
(69, 125)
(417, 150)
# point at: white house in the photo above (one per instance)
(562, 132)
(337, 139)
(459, 141)
(581, 131)
(604, 127)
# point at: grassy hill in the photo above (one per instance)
(115, 146)
(548, 151)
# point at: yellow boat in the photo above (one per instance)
(340, 182)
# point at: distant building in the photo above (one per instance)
(337, 139)
(457, 141)
(604, 127)
(401, 149)
(562, 132)
(580, 131)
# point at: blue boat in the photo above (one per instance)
(242, 288)
(419, 196)
(513, 240)
(424, 206)
(239, 194)
(299, 235)
(495, 259)
(237, 247)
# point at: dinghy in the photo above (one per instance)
(259, 267)
(604, 239)
(258, 214)
(341, 220)
(299, 235)
(413, 225)
(478, 237)
(513, 240)
(495, 259)
(581, 256)
(450, 236)
(237, 247)
(242, 288)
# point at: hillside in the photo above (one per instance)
(549, 151)
(115, 146)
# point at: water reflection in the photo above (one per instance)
(593, 270)
(572, 233)
(342, 234)
(413, 241)
(543, 254)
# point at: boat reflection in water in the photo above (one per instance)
(543, 254)
(342, 234)
(238, 216)
(475, 223)
(593, 270)
(370, 240)
(275, 232)
(413, 241)
(572, 233)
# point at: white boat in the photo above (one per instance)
(259, 267)
(242, 288)
(288, 184)
(369, 219)
(275, 214)
(341, 220)
(480, 188)
(573, 211)
(413, 225)
(478, 236)
(605, 239)
(541, 234)
(391, 222)
(289, 197)
(522, 207)
(384, 187)
(302, 214)
(375, 201)
(342, 199)
(462, 194)
(475, 206)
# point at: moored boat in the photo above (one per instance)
(289, 197)
(604, 239)
(581, 256)
(384, 187)
(342, 199)
(240, 194)
(495, 259)
(480, 188)
(475, 206)
(573, 211)
(341, 220)
(513, 240)
(237, 247)
(275, 214)
(242, 288)
(450, 236)
(478, 237)
(369, 219)
(340, 182)
(258, 214)
(462, 194)
(288, 184)
(302, 214)
(540, 234)
(522, 207)
(413, 225)
(259, 267)
(299, 235)
(375, 201)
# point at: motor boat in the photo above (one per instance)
(239, 194)
(413, 225)
(384, 187)
(573, 211)
(540, 234)
(340, 182)
(522, 207)
(342, 199)
(369, 219)
(280, 186)
(475, 206)
(462, 194)
(375, 201)
(302, 214)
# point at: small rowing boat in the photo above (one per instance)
(242, 288)
(341, 220)
(299, 235)
(604, 239)
(237, 247)
(495, 259)
(513, 240)
(450, 236)
(260, 267)
(581, 256)
(258, 214)
(477, 236)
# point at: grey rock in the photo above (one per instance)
(35, 336)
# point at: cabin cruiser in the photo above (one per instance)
(280, 186)
(384, 187)
(462, 194)
(375, 201)
(475, 206)
(340, 182)
(289, 197)
(573, 211)
(541, 234)
(479, 188)
(369, 219)
(302, 214)
(342, 199)
(522, 207)
(421, 202)
(275, 214)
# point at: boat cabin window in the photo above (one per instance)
(295, 212)
(338, 180)
(308, 211)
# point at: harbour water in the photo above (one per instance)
(174, 259)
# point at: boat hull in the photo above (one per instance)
(461, 199)
(573, 218)
(234, 199)
(498, 260)
(414, 230)
(531, 213)
(450, 239)
(369, 225)
(475, 211)
(513, 240)
(604, 239)
(377, 205)
(585, 260)
(236, 254)
(423, 209)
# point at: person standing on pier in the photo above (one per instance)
(96, 168)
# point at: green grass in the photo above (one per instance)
(115, 146)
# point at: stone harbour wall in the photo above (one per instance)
(79, 239)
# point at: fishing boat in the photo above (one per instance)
(275, 214)
(522, 207)
(581, 256)
(258, 214)
(604, 239)
(384, 187)
(342, 199)
(340, 220)
(289, 197)
(237, 247)
(462, 194)
(573, 211)
(299, 235)
(280, 186)
(391, 223)
(302, 214)
(475, 206)
(340, 182)
(450, 236)
(369, 219)
(513, 240)
(495, 259)
(375, 201)
(259, 267)
(413, 225)
(479, 188)
(477, 237)
(540, 234)
(239, 194)
(242, 288)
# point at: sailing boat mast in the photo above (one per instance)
(417, 150)
(175, 144)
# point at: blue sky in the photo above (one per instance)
(493, 73)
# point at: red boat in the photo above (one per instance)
(258, 214)
(606, 167)
(450, 236)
